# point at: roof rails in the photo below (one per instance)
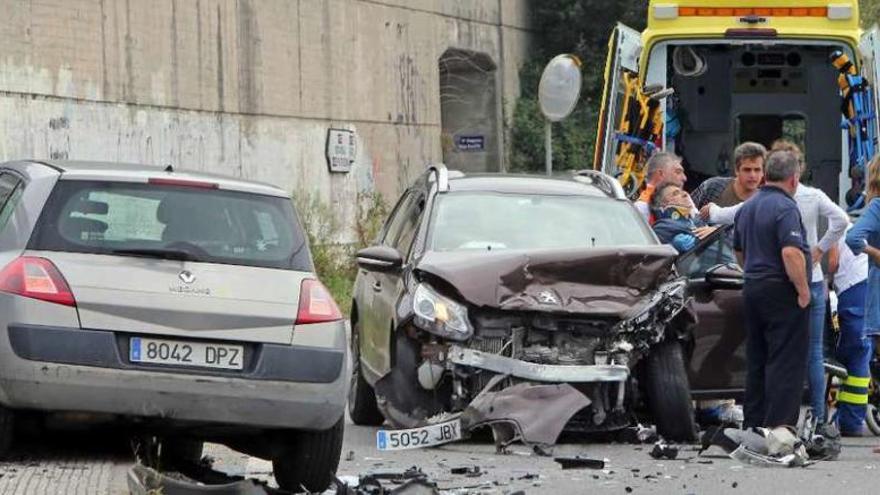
(442, 176)
(604, 182)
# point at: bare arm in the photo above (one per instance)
(833, 259)
(796, 269)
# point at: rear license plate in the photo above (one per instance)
(179, 353)
(416, 438)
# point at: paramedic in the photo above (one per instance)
(748, 159)
(661, 167)
(853, 347)
(770, 242)
(865, 237)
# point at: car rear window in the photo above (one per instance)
(208, 225)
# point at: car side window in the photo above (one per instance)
(11, 189)
(718, 252)
(395, 220)
(409, 225)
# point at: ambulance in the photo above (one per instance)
(707, 75)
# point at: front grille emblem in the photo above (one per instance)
(547, 297)
(187, 277)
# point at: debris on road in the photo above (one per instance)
(412, 481)
(639, 434)
(533, 414)
(579, 462)
(776, 447)
(469, 471)
(143, 480)
(663, 451)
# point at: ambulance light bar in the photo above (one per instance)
(834, 11)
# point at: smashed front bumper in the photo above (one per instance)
(535, 371)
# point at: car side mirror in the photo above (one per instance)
(379, 259)
(727, 276)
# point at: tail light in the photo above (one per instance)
(316, 305)
(36, 278)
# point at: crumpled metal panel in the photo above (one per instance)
(601, 281)
(534, 414)
(535, 371)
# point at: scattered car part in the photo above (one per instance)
(663, 451)
(143, 480)
(578, 462)
(469, 471)
(412, 481)
(537, 372)
(534, 414)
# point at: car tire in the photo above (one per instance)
(361, 397)
(309, 460)
(668, 392)
(7, 431)
(872, 419)
(176, 452)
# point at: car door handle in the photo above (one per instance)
(377, 286)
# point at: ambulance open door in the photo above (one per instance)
(624, 49)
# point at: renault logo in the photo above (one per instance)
(547, 297)
(187, 277)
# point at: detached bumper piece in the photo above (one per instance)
(538, 372)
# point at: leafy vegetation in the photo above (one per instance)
(334, 261)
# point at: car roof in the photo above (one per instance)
(133, 172)
(524, 184)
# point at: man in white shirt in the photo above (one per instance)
(853, 346)
(813, 205)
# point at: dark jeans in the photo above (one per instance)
(778, 332)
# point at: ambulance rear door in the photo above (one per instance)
(624, 49)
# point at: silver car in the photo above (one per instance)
(185, 303)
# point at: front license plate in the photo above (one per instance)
(179, 353)
(417, 438)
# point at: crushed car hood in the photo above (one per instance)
(599, 281)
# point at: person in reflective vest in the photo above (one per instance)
(854, 349)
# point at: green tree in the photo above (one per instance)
(869, 11)
(580, 27)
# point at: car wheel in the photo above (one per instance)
(668, 392)
(7, 420)
(872, 419)
(361, 397)
(176, 452)
(310, 459)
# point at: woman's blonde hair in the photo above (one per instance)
(872, 182)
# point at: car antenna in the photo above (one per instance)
(169, 168)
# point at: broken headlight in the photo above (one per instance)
(667, 302)
(440, 315)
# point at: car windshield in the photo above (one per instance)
(172, 222)
(488, 221)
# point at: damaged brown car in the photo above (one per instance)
(534, 300)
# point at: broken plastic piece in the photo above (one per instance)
(663, 451)
(579, 462)
(534, 414)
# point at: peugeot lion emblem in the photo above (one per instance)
(547, 297)
(187, 277)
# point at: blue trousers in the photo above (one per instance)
(816, 359)
(854, 350)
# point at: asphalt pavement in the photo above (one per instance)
(95, 463)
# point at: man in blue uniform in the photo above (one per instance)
(771, 245)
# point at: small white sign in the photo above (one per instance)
(341, 149)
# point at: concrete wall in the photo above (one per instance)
(247, 87)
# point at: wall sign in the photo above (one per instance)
(341, 148)
(470, 143)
